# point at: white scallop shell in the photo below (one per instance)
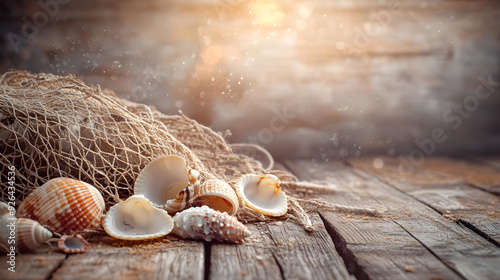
(72, 244)
(137, 219)
(214, 193)
(207, 224)
(263, 194)
(162, 179)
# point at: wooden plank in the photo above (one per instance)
(38, 266)
(457, 247)
(110, 258)
(477, 174)
(280, 250)
(252, 259)
(475, 208)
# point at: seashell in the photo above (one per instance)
(214, 193)
(7, 225)
(72, 244)
(162, 179)
(64, 205)
(137, 219)
(193, 175)
(263, 194)
(30, 234)
(206, 224)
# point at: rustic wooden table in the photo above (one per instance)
(440, 220)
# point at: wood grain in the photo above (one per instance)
(280, 250)
(477, 209)
(38, 266)
(457, 247)
(110, 258)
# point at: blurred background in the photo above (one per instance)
(323, 79)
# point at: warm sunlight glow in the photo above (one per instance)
(267, 13)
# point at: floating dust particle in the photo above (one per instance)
(348, 216)
(409, 268)
(365, 218)
(262, 223)
(259, 258)
(279, 223)
(493, 234)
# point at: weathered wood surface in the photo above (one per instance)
(373, 247)
(459, 248)
(477, 209)
(160, 258)
(381, 227)
(32, 266)
(280, 250)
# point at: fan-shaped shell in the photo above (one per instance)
(30, 234)
(214, 193)
(64, 205)
(162, 179)
(208, 224)
(72, 244)
(137, 219)
(263, 194)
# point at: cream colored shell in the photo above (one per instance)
(162, 179)
(30, 234)
(214, 193)
(262, 194)
(137, 219)
(208, 224)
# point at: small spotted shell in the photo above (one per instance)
(262, 194)
(207, 224)
(64, 205)
(72, 244)
(137, 219)
(214, 193)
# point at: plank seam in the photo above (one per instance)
(275, 257)
(430, 251)
(207, 246)
(350, 260)
(51, 274)
(460, 222)
(478, 231)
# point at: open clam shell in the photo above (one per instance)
(208, 224)
(137, 219)
(162, 179)
(214, 193)
(263, 194)
(64, 205)
(72, 244)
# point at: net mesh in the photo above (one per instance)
(57, 126)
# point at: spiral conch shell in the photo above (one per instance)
(64, 205)
(137, 219)
(214, 193)
(72, 244)
(162, 179)
(30, 234)
(263, 194)
(207, 224)
(22, 234)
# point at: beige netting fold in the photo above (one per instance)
(53, 126)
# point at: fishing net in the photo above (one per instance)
(57, 126)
